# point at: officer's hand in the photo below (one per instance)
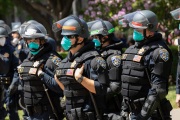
(178, 100)
(39, 72)
(79, 72)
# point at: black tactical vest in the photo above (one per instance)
(113, 60)
(76, 94)
(34, 93)
(135, 83)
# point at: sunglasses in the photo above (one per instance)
(71, 36)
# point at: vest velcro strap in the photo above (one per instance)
(75, 93)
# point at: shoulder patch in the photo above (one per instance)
(141, 51)
(56, 60)
(116, 60)
(101, 61)
(164, 54)
(124, 56)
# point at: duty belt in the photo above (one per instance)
(4, 80)
(134, 104)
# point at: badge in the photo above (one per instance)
(137, 58)
(141, 51)
(6, 55)
(124, 56)
(70, 72)
(19, 47)
(73, 64)
(36, 64)
(20, 69)
(58, 72)
(164, 54)
(56, 60)
(101, 61)
(33, 71)
(116, 60)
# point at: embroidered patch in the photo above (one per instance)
(124, 56)
(33, 71)
(36, 64)
(141, 51)
(56, 60)
(20, 69)
(101, 61)
(70, 72)
(137, 58)
(164, 54)
(116, 60)
(73, 64)
(58, 72)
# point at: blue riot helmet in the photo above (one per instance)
(144, 19)
(57, 26)
(2, 22)
(35, 30)
(72, 25)
(3, 31)
(15, 26)
(52, 42)
(176, 14)
(32, 21)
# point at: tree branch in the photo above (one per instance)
(35, 14)
(67, 8)
(41, 7)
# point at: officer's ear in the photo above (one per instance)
(80, 39)
(106, 37)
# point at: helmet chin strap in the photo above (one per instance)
(102, 42)
(145, 35)
(76, 44)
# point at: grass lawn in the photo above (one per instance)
(171, 96)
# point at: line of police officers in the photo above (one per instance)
(96, 79)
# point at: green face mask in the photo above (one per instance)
(34, 48)
(66, 43)
(137, 36)
(179, 26)
(97, 43)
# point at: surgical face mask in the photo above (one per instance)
(15, 41)
(66, 43)
(97, 43)
(2, 41)
(137, 36)
(34, 48)
(179, 26)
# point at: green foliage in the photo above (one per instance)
(63, 54)
(174, 50)
(172, 96)
(6, 6)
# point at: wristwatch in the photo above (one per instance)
(79, 80)
(41, 75)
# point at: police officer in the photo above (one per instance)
(82, 74)
(175, 14)
(102, 33)
(145, 74)
(18, 43)
(8, 71)
(37, 99)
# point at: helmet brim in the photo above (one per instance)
(137, 27)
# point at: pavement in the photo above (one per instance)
(175, 114)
